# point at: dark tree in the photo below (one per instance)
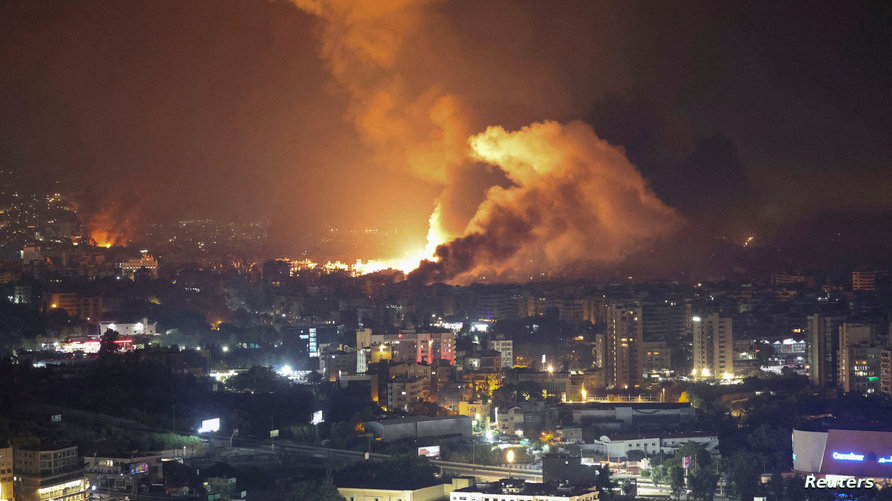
(676, 480)
(702, 483)
(108, 344)
(312, 490)
(604, 482)
(744, 468)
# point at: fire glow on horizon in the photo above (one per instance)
(409, 262)
(566, 197)
(572, 198)
(105, 238)
(107, 228)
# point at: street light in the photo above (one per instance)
(509, 456)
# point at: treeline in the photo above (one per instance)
(124, 402)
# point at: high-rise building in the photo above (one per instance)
(663, 320)
(859, 359)
(823, 347)
(624, 338)
(506, 348)
(6, 475)
(713, 346)
(861, 368)
(599, 351)
(886, 371)
(50, 474)
(871, 280)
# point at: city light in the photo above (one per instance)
(419, 216)
(209, 425)
(317, 418)
(849, 456)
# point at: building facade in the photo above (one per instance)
(624, 344)
(506, 348)
(518, 490)
(823, 347)
(145, 262)
(44, 475)
(6, 475)
(713, 346)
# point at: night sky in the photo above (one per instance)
(767, 119)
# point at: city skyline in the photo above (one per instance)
(762, 125)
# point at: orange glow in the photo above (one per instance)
(106, 229)
(113, 224)
(573, 199)
(436, 236)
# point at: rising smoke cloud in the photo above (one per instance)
(573, 197)
(422, 129)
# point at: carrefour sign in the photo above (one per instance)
(857, 453)
(851, 456)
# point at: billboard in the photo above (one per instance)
(317, 418)
(209, 425)
(137, 468)
(431, 451)
(843, 452)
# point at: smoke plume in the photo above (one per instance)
(570, 197)
(575, 200)
(418, 127)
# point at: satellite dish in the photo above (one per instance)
(604, 438)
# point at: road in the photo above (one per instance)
(257, 448)
(314, 452)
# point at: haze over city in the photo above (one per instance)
(575, 135)
(445, 250)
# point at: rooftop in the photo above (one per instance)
(663, 436)
(634, 405)
(418, 419)
(518, 486)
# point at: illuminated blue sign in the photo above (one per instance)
(884, 460)
(848, 456)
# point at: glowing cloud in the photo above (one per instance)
(575, 200)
